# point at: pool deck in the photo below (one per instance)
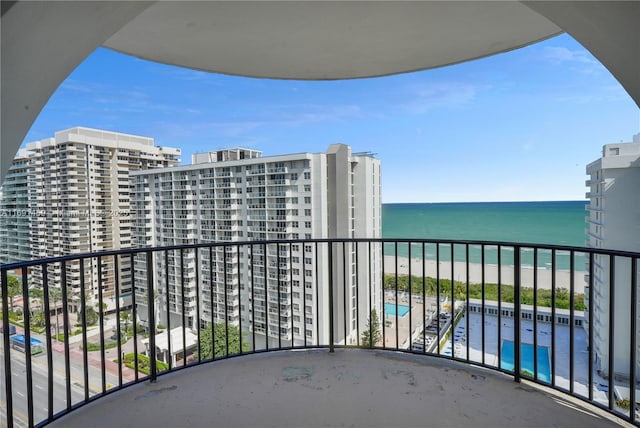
(414, 314)
(561, 349)
(459, 345)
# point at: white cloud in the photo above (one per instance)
(278, 116)
(75, 86)
(180, 73)
(610, 93)
(559, 54)
(441, 94)
(579, 60)
(302, 114)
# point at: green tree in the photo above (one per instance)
(92, 316)
(372, 335)
(55, 295)
(217, 334)
(125, 316)
(36, 294)
(37, 319)
(14, 289)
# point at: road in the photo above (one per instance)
(40, 389)
(40, 385)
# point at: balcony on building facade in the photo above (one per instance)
(429, 328)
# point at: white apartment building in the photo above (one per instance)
(74, 197)
(613, 223)
(272, 290)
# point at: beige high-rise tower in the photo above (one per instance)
(70, 194)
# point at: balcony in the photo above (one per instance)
(417, 390)
(443, 352)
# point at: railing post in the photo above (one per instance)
(590, 339)
(612, 309)
(632, 348)
(8, 396)
(26, 315)
(65, 319)
(516, 314)
(331, 344)
(151, 318)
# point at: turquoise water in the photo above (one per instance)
(390, 309)
(557, 222)
(526, 358)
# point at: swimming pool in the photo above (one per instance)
(526, 357)
(390, 309)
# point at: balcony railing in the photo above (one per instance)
(515, 308)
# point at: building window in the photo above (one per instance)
(307, 175)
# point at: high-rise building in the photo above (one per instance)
(613, 213)
(15, 210)
(70, 194)
(270, 289)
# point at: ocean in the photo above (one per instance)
(554, 222)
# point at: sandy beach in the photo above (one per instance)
(490, 274)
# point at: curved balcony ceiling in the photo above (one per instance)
(290, 40)
(326, 40)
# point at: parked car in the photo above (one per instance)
(12, 329)
(417, 346)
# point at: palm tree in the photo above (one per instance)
(36, 294)
(14, 289)
(55, 294)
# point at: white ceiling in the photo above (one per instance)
(324, 39)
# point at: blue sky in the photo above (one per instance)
(518, 126)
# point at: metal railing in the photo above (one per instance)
(563, 317)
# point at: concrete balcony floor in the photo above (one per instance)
(353, 388)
